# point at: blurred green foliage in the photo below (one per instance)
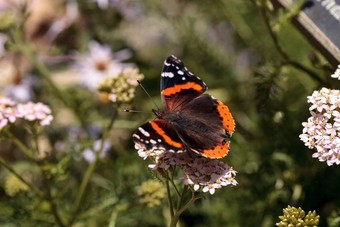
(227, 44)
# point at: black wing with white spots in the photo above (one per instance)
(157, 134)
(178, 84)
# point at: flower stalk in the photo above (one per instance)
(90, 171)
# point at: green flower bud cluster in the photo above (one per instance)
(14, 185)
(121, 88)
(151, 193)
(296, 217)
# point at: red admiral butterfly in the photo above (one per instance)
(191, 121)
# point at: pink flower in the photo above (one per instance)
(8, 113)
(36, 112)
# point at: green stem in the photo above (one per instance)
(179, 211)
(89, 172)
(22, 146)
(181, 197)
(28, 51)
(44, 71)
(169, 199)
(173, 183)
(32, 187)
(50, 198)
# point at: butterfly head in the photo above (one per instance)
(159, 113)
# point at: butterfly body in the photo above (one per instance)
(191, 121)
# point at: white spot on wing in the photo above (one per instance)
(167, 74)
(183, 78)
(159, 140)
(145, 133)
(180, 72)
(152, 141)
(136, 136)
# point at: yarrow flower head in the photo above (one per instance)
(151, 193)
(13, 185)
(201, 173)
(336, 74)
(36, 112)
(99, 62)
(322, 130)
(8, 113)
(121, 88)
(11, 111)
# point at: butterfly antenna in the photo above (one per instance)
(135, 111)
(140, 84)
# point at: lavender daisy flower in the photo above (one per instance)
(21, 90)
(320, 132)
(90, 154)
(99, 62)
(102, 4)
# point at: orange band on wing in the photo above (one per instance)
(228, 120)
(178, 87)
(161, 132)
(218, 152)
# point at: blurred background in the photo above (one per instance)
(56, 51)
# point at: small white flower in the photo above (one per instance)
(336, 74)
(99, 62)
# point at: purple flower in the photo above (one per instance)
(90, 154)
(320, 132)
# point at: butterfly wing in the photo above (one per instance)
(178, 84)
(157, 134)
(205, 125)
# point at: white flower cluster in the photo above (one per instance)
(10, 111)
(202, 173)
(322, 130)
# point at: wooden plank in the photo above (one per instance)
(319, 21)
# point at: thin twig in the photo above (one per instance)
(279, 48)
(50, 198)
(22, 146)
(89, 172)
